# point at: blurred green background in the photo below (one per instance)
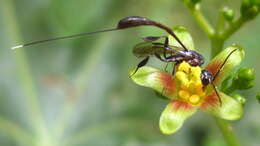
(77, 91)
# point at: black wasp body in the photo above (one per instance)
(162, 51)
(175, 55)
(165, 52)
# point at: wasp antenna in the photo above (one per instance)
(62, 37)
(222, 65)
(219, 99)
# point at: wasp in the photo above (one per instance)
(162, 51)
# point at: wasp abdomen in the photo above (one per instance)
(133, 21)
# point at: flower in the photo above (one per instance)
(187, 93)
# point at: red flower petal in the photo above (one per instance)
(168, 82)
(210, 101)
(156, 79)
(177, 105)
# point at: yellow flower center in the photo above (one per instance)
(190, 87)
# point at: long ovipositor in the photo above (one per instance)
(127, 22)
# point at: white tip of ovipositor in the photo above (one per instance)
(16, 47)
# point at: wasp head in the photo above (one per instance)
(206, 77)
(194, 58)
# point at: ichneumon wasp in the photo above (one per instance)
(149, 48)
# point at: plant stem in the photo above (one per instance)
(233, 27)
(216, 46)
(227, 132)
(201, 20)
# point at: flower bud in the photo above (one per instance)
(249, 9)
(228, 13)
(244, 79)
(242, 84)
(246, 73)
(239, 98)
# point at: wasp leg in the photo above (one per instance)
(174, 68)
(166, 43)
(162, 59)
(172, 58)
(140, 64)
(165, 68)
(159, 57)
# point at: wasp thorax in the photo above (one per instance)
(194, 58)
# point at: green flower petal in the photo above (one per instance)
(184, 36)
(156, 79)
(230, 109)
(234, 60)
(174, 115)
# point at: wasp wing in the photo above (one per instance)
(152, 38)
(145, 49)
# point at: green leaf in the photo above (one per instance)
(174, 115)
(230, 109)
(156, 79)
(184, 36)
(232, 61)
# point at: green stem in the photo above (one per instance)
(201, 20)
(216, 45)
(221, 23)
(234, 26)
(227, 132)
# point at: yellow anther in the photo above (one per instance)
(182, 77)
(185, 86)
(196, 71)
(184, 66)
(194, 99)
(190, 85)
(184, 94)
